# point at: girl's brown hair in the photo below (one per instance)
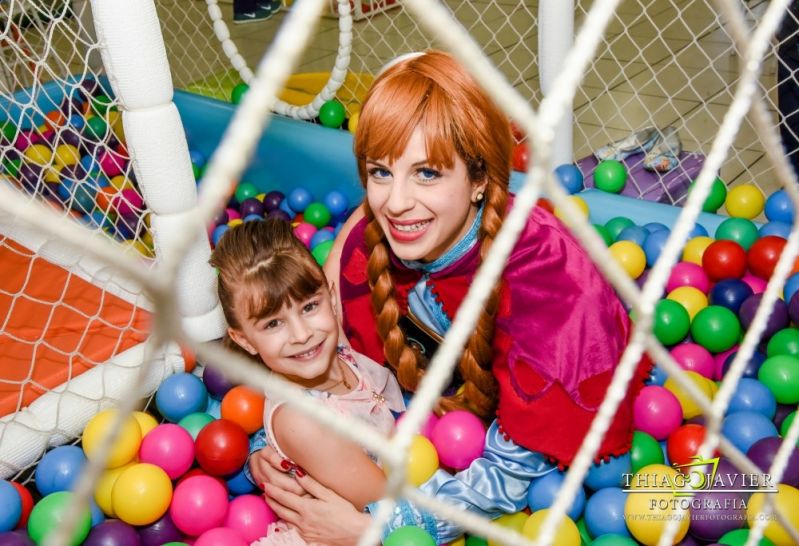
(262, 267)
(434, 92)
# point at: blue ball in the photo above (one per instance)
(214, 408)
(321, 236)
(218, 232)
(657, 377)
(604, 512)
(665, 450)
(284, 206)
(97, 514)
(730, 293)
(780, 229)
(65, 189)
(608, 473)
(751, 368)
(652, 227)
(338, 228)
(180, 395)
(11, 504)
(299, 199)
(59, 469)
(636, 234)
(253, 217)
(791, 286)
(698, 231)
(544, 490)
(76, 121)
(336, 202)
(197, 157)
(752, 395)
(571, 178)
(744, 428)
(90, 163)
(654, 244)
(779, 207)
(239, 484)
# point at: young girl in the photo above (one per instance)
(279, 311)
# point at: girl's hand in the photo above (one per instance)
(322, 516)
(265, 467)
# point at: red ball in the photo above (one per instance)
(683, 443)
(521, 155)
(724, 260)
(27, 504)
(763, 255)
(199, 472)
(222, 447)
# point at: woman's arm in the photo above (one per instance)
(334, 461)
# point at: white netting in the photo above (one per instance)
(617, 78)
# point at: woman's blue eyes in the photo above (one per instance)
(424, 173)
(428, 174)
(377, 172)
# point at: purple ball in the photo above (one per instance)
(71, 105)
(763, 452)
(751, 368)
(727, 476)
(160, 532)
(15, 538)
(280, 215)
(216, 383)
(776, 321)
(29, 176)
(783, 411)
(69, 136)
(793, 308)
(689, 541)
(715, 513)
(221, 218)
(251, 206)
(272, 200)
(113, 533)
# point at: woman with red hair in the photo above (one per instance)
(434, 154)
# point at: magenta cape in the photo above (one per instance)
(560, 331)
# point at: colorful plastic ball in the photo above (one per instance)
(48, 515)
(239, 484)
(160, 532)
(272, 200)
(689, 297)
(757, 284)
(604, 234)
(113, 533)
(245, 407)
(352, 122)
(740, 230)
(520, 156)
(321, 236)
(337, 203)
(544, 490)
(779, 208)
(252, 206)
(105, 487)
(654, 244)
(716, 197)
(180, 395)
(715, 328)
(298, 199)
(222, 447)
(634, 234)
(566, 532)
(96, 128)
(690, 408)
(744, 428)
(630, 257)
(730, 293)
(751, 395)
(751, 368)
(671, 322)
(608, 473)
(777, 320)
(193, 423)
(141, 494)
(786, 500)
(459, 438)
(688, 274)
(610, 176)
(604, 512)
(614, 539)
(169, 447)
(745, 201)
(11, 503)
(695, 249)
(317, 215)
(617, 224)
(250, 516)
(215, 382)
(638, 506)
(409, 535)
(695, 358)
(778, 229)
(332, 114)
(657, 412)
(200, 503)
(217, 234)
(784, 342)
(724, 260)
(16, 538)
(763, 255)
(237, 94)
(763, 452)
(127, 442)
(645, 450)
(244, 191)
(220, 536)
(787, 422)
(570, 177)
(59, 469)
(305, 232)
(321, 251)
(717, 513)
(739, 537)
(27, 503)
(780, 374)
(683, 444)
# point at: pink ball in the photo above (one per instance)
(220, 536)
(688, 274)
(128, 201)
(757, 284)
(657, 412)
(170, 447)
(304, 232)
(695, 358)
(719, 360)
(232, 214)
(24, 139)
(112, 163)
(250, 516)
(199, 503)
(459, 438)
(427, 426)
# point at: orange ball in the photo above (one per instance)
(54, 119)
(245, 407)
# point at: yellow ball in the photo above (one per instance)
(352, 124)
(689, 407)
(578, 202)
(647, 514)
(52, 174)
(66, 154)
(787, 501)
(127, 442)
(105, 485)
(630, 257)
(121, 182)
(509, 521)
(693, 299)
(745, 201)
(146, 422)
(422, 460)
(566, 532)
(141, 494)
(39, 154)
(260, 197)
(461, 541)
(114, 118)
(695, 248)
(235, 222)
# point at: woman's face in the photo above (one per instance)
(423, 210)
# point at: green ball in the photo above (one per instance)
(194, 422)
(476, 541)
(409, 535)
(784, 342)
(245, 191)
(8, 130)
(645, 451)
(716, 328)
(672, 322)
(332, 114)
(238, 93)
(716, 197)
(738, 537)
(317, 215)
(101, 104)
(610, 176)
(50, 512)
(613, 540)
(175, 544)
(617, 225)
(786, 424)
(197, 170)
(95, 128)
(585, 536)
(780, 373)
(742, 231)
(11, 166)
(321, 251)
(604, 233)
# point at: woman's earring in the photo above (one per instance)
(478, 198)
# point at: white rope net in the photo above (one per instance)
(720, 57)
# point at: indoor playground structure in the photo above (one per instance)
(134, 134)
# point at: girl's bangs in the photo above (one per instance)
(275, 284)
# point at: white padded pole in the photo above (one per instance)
(555, 37)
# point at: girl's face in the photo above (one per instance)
(298, 342)
(423, 210)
